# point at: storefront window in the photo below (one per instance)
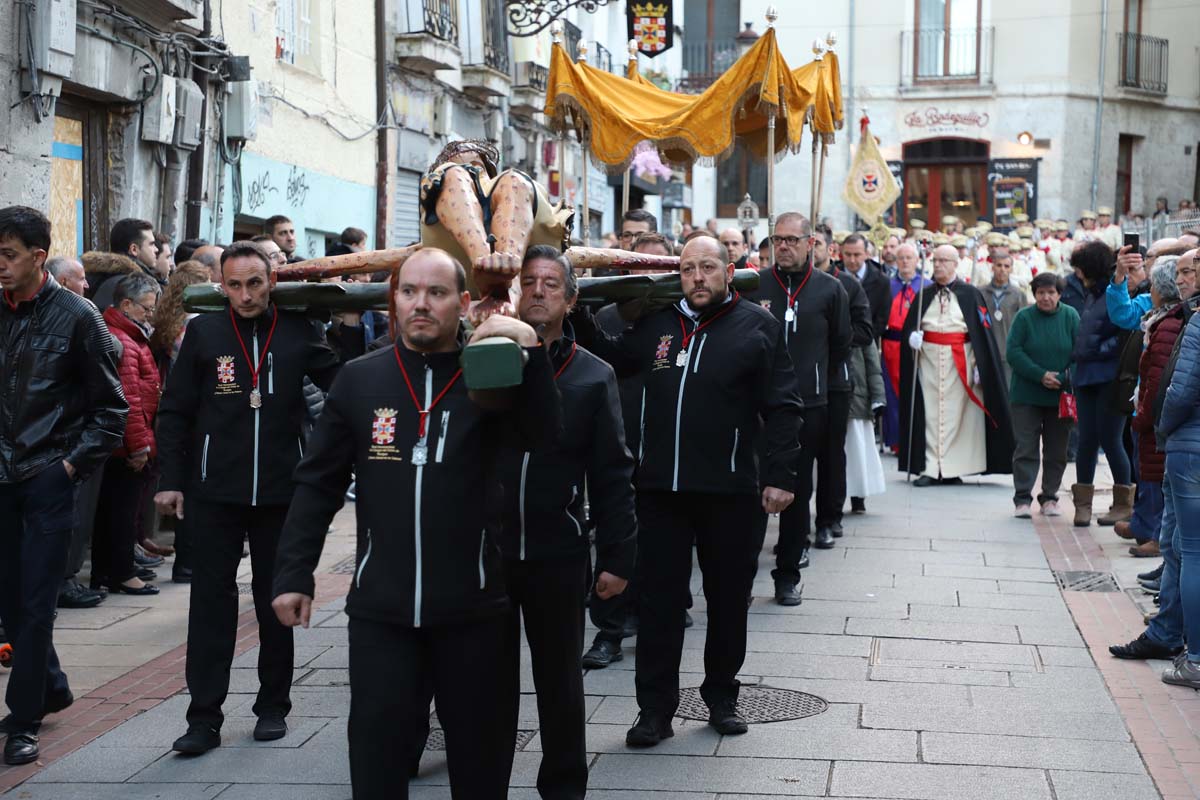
(945, 177)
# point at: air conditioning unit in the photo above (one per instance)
(241, 110)
(158, 112)
(189, 116)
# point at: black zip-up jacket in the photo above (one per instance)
(818, 337)
(61, 397)
(702, 419)
(544, 517)
(862, 331)
(427, 550)
(211, 443)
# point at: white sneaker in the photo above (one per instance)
(1023, 511)
(1051, 509)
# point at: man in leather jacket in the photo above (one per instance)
(62, 412)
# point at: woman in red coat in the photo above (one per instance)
(123, 487)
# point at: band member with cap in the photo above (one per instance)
(427, 604)
(229, 437)
(1108, 232)
(718, 377)
(960, 424)
(1086, 232)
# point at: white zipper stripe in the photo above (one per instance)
(570, 516)
(270, 373)
(678, 414)
(699, 350)
(204, 459)
(482, 574)
(257, 423)
(441, 448)
(817, 372)
(366, 558)
(642, 429)
(521, 503)
(417, 515)
(733, 455)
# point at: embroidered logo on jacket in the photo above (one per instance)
(765, 304)
(225, 369)
(383, 430)
(664, 347)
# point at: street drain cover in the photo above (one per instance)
(437, 739)
(344, 567)
(1083, 581)
(756, 704)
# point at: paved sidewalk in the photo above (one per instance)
(935, 630)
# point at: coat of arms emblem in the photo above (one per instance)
(383, 429)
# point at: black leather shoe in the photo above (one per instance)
(725, 718)
(687, 620)
(649, 729)
(786, 592)
(269, 728)
(804, 562)
(950, 481)
(181, 574)
(21, 748)
(1152, 575)
(1144, 647)
(824, 539)
(924, 481)
(143, 590)
(602, 654)
(631, 626)
(198, 740)
(73, 595)
(836, 530)
(858, 505)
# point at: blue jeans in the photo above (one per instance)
(1147, 512)
(1183, 471)
(1167, 626)
(1100, 426)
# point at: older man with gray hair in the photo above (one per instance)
(69, 272)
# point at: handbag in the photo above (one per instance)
(1066, 407)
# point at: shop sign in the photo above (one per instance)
(935, 120)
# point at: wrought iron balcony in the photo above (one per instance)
(939, 56)
(703, 62)
(436, 17)
(531, 75)
(487, 37)
(427, 35)
(1143, 62)
(571, 36)
(603, 58)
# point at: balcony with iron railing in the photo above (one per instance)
(1143, 62)
(603, 58)
(571, 36)
(703, 62)
(937, 56)
(485, 60)
(427, 35)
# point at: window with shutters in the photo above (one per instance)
(296, 33)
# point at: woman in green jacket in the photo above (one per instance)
(1039, 353)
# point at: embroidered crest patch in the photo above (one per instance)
(383, 429)
(225, 369)
(664, 347)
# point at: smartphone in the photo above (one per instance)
(1131, 240)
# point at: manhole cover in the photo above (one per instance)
(756, 704)
(344, 567)
(437, 739)
(1083, 581)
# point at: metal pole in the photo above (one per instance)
(587, 214)
(812, 198)
(1099, 102)
(771, 180)
(625, 192)
(820, 184)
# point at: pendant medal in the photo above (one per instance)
(681, 360)
(420, 455)
(999, 315)
(789, 315)
(255, 398)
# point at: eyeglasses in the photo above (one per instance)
(148, 309)
(790, 241)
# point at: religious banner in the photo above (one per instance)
(651, 25)
(870, 187)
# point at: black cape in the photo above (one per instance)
(1000, 442)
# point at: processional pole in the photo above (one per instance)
(587, 212)
(556, 36)
(830, 41)
(772, 15)
(633, 51)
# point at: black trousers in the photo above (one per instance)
(795, 522)
(212, 618)
(831, 462)
(550, 596)
(36, 518)
(472, 667)
(87, 498)
(728, 537)
(114, 532)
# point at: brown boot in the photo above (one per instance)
(1123, 529)
(1147, 549)
(1122, 505)
(1082, 493)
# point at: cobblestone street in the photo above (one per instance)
(952, 664)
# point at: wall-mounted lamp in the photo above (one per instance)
(1025, 138)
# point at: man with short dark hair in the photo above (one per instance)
(633, 222)
(544, 541)
(698, 480)
(355, 239)
(133, 238)
(229, 433)
(735, 242)
(427, 605)
(856, 261)
(62, 412)
(185, 249)
(283, 231)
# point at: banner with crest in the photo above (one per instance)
(651, 25)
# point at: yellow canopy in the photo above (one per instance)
(613, 114)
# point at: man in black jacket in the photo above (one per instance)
(831, 456)
(427, 604)
(545, 542)
(62, 412)
(812, 308)
(229, 437)
(874, 282)
(717, 371)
